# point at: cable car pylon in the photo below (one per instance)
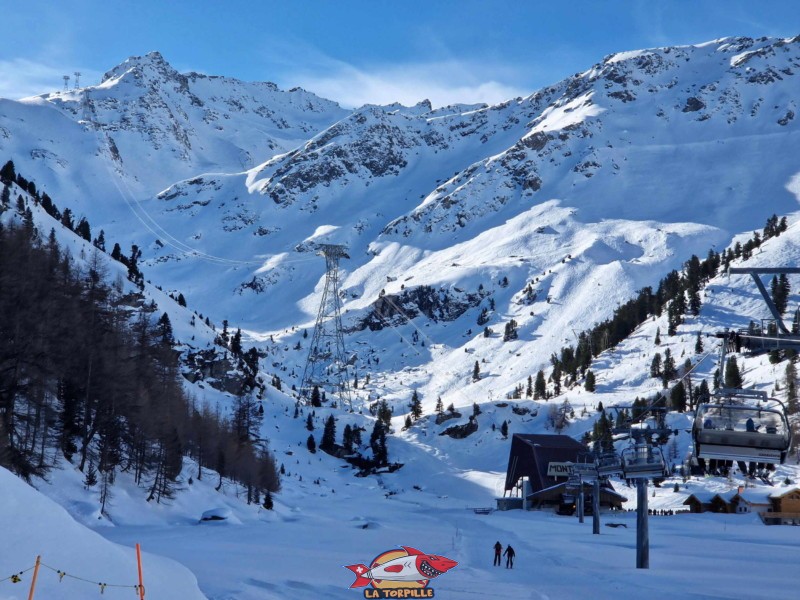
(326, 364)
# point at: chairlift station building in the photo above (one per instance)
(539, 467)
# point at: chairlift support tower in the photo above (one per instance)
(77, 80)
(66, 83)
(772, 335)
(326, 365)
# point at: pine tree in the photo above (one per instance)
(476, 372)
(529, 389)
(407, 423)
(84, 230)
(703, 393)
(268, 502)
(311, 444)
(677, 397)
(694, 301)
(347, 439)
(315, 397)
(439, 406)
(164, 330)
(698, 345)
(590, 382)
(540, 387)
(510, 331)
(668, 369)
(236, 343)
(7, 173)
(328, 441)
(100, 241)
(792, 407)
(415, 406)
(780, 288)
(384, 413)
(733, 378)
(310, 423)
(66, 219)
(555, 377)
(504, 429)
(657, 341)
(91, 477)
(655, 366)
(377, 442)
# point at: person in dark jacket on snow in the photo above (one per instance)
(509, 554)
(498, 548)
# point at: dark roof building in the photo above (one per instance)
(544, 460)
(532, 454)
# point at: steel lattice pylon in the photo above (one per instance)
(326, 365)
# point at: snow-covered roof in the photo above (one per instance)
(703, 497)
(754, 496)
(784, 492)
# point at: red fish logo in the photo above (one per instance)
(406, 569)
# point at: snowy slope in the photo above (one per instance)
(38, 526)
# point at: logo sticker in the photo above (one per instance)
(400, 573)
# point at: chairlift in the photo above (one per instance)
(643, 461)
(587, 471)
(733, 429)
(608, 463)
(569, 497)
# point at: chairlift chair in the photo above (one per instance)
(569, 497)
(739, 431)
(643, 461)
(586, 470)
(608, 463)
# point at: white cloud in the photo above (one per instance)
(22, 78)
(441, 83)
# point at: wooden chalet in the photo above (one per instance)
(699, 502)
(785, 508)
(722, 503)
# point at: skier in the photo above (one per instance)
(498, 548)
(509, 554)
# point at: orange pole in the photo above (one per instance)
(35, 573)
(139, 562)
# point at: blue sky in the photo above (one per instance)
(364, 51)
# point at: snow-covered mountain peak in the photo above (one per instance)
(151, 126)
(152, 63)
